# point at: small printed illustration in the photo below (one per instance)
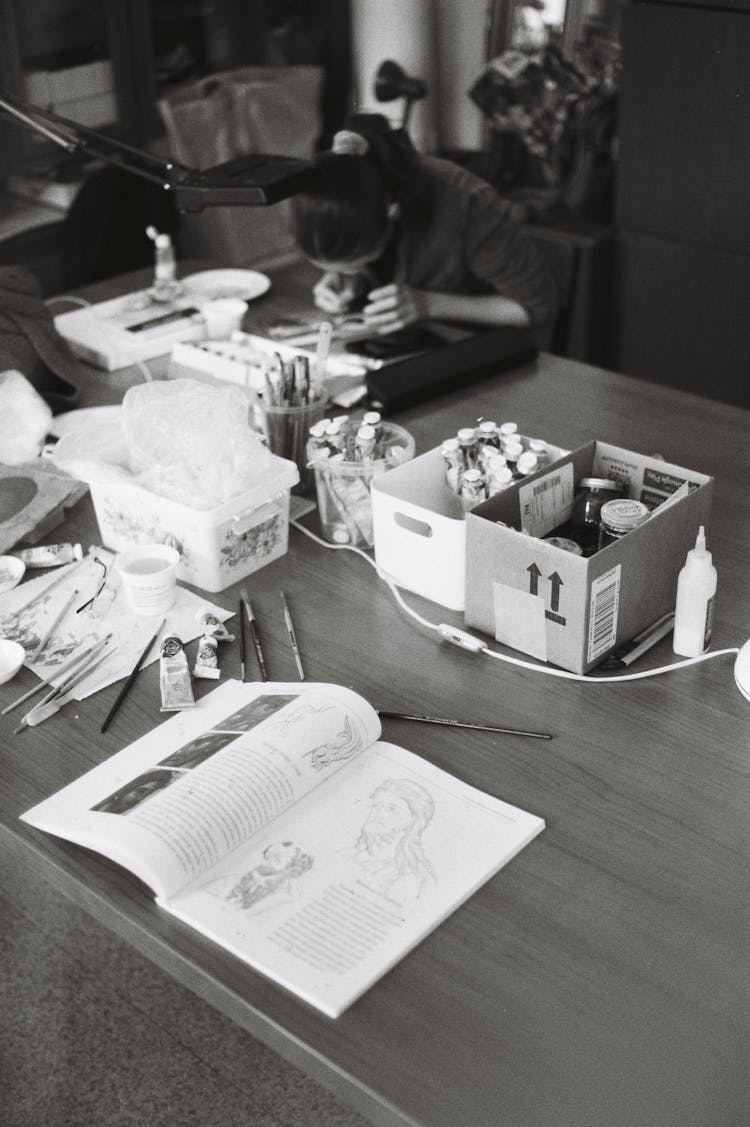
(296, 716)
(198, 750)
(343, 745)
(255, 713)
(389, 847)
(273, 879)
(135, 792)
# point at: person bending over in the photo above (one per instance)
(407, 238)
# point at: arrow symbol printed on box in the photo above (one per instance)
(557, 583)
(534, 574)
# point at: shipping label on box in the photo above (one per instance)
(572, 610)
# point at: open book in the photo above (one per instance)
(271, 819)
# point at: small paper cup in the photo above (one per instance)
(223, 316)
(149, 577)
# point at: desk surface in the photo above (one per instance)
(603, 977)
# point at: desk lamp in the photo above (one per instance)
(391, 82)
(257, 179)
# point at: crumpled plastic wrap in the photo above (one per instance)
(25, 419)
(186, 440)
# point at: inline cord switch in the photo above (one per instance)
(694, 610)
(460, 638)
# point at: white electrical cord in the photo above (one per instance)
(475, 645)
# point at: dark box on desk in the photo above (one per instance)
(572, 610)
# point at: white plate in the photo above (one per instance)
(11, 572)
(12, 656)
(74, 420)
(213, 284)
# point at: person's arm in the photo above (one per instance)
(395, 306)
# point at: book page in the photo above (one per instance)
(330, 895)
(172, 804)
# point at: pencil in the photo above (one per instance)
(640, 644)
(325, 331)
(64, 669)
(462, 724)
(53, 626)
(72, 670)
(129, 683)
(647, 639)
(292, 636)
(93, 658)
(241, 618)
(64, 573)
(254, 634)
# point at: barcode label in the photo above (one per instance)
(605, 605)
(546, 484)
(547, 501)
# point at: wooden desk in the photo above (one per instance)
(603, 977)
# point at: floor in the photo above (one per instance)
(93, 1036)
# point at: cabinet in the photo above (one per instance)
(682, 250)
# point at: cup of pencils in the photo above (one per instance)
(293, 400)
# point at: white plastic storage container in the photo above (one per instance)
(420, 529)
(218, 546)
(418, 524)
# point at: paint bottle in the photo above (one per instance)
(454, 463)
(473, 489)
(618, 517)
(694, 611)
(165, 285)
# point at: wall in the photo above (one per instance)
(440, 41)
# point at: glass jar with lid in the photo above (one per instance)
(618, 517)
(591, 493)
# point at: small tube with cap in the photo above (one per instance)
(174, 676)
(50, 555)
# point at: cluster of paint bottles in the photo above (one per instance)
(483, 460)
(341, 439)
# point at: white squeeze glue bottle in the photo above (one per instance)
(165, 284)
(694, 612)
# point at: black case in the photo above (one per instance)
(417, 378)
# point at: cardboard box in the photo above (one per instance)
(420, 530)
(219, 546)
(571, 610)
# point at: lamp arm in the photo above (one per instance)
(251, 180)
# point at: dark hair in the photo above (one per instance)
(345, 213)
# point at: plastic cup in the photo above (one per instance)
(223, 316)
(343, 488)
(287, 432)
(149, 577)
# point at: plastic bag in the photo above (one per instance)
(24, 419)
(191, 441)
(233, 113)
(185, 440)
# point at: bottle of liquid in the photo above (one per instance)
(165, 285)
(694, 612)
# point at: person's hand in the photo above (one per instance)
(394, 307)
(337, 293)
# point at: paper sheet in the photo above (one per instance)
(27, 622)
